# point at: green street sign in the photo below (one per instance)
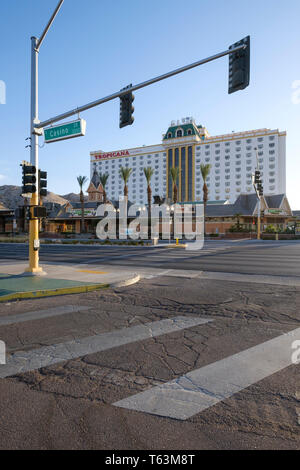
(69, 130)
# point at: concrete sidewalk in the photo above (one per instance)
(58, 280)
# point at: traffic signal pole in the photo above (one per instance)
(133, 88)
(33, 267)
(34, 242)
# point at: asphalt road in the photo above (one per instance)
(246, 257)
(167, 364)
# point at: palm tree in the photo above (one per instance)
(174, 173)
(125, 174)
(148, 172)
(205, 169)
(103, 181)
(81, 181)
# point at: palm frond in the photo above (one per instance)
(205, 170)
(125, 173)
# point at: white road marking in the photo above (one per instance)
(21, 362)
(200, 389)
(38, 315)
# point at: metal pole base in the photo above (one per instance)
(35, 272)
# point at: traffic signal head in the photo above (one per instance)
(43, 183)
(28, 179)
(239, 66)
(126, 109)
(257, 177)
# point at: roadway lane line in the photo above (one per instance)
(39, 315)
(21, 362)
(200, 389)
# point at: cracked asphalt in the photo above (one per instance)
(70, 405)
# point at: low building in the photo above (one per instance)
(7, 221)
(275, 211)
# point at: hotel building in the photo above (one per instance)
(233, 159)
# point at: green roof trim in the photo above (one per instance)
(185, 127)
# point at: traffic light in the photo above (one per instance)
(28, 179)
(239, 66)
(38, 212)
(257, 177)
(126, 109)
(43, 183)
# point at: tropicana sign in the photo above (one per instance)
(122, 153)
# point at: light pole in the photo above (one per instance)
(34, 243)
(259, 201)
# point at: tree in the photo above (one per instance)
(174, 173)
(238, 217)
(103, 181)
(81, 181)
(125, 175)
(205, 169)
(148, 172)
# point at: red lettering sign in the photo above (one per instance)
(103, 156)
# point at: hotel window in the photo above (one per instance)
(190, 173)
(272, 152)
(170, 164)
(227, 144)
(272, 137)
(169, 135)
(249, 141)
(182, 174)
(179, 133)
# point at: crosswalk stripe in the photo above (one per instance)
(200, 389)
(21, 362)
(38, 315)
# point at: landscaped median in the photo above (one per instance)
(15, 284)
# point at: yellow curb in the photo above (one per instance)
(52, 292)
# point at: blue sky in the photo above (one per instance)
(97, 47)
